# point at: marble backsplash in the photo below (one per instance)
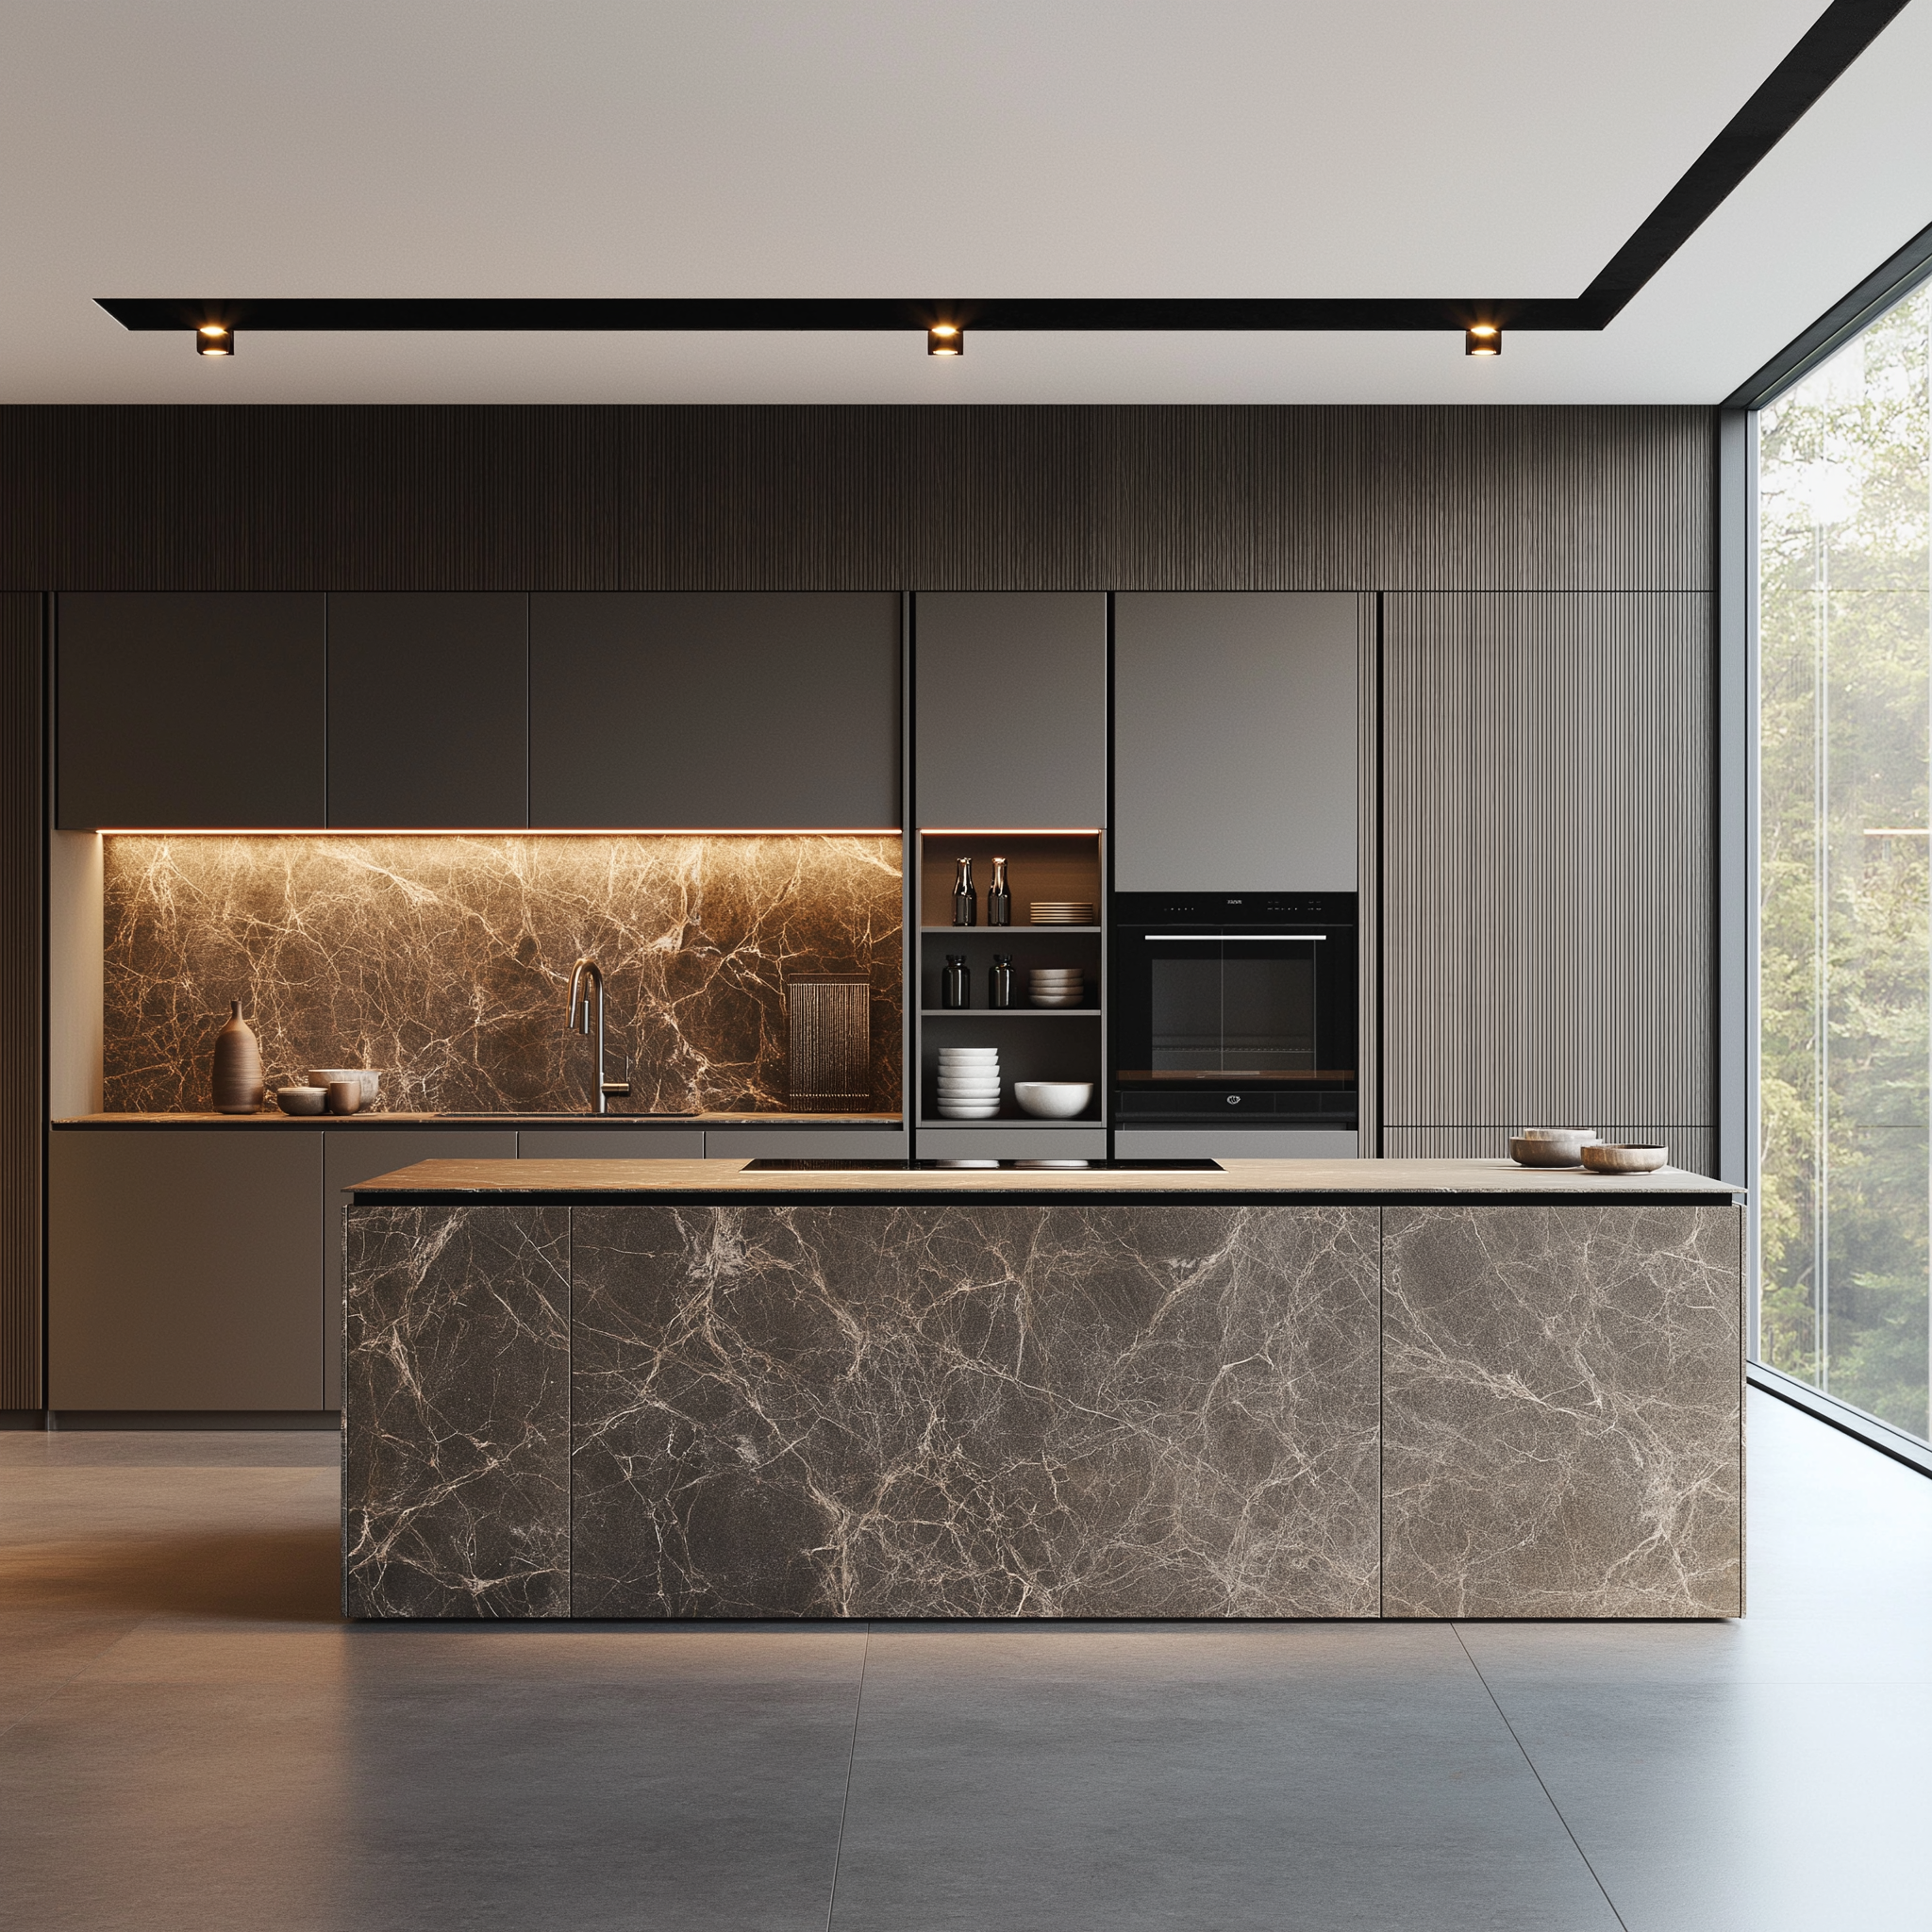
(443, 961)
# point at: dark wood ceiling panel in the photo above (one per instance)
(858, 498)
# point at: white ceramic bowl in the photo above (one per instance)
(959, 1083)
(969, 1053)
(302, 1099)
(324, 1076)
(968, 1109)
(1052, 1100)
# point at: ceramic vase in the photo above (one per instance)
(238, 1086)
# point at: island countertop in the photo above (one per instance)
(1365, 1183)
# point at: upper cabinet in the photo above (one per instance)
(714, 709)
(1009, 691)
(429, 709)
(1235, 740)
(191, 708)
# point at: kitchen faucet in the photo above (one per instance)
(585, 979)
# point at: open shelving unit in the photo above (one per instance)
(1035, 1043)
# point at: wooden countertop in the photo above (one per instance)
(721, 1181)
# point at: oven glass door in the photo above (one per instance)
(1269, 1017)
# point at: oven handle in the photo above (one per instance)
(1215, 939)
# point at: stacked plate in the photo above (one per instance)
(1061, 912)
(1056, 986)
(969, 1082)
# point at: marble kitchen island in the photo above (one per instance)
(1276, 1389)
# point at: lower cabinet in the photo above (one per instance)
(184, 1270)
(354, 1156)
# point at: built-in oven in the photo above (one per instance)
(1235, 1008)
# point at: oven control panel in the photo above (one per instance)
(1234, 909)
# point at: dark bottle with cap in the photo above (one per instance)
(999, 900)
(956, 984)
(965, 901)
(999, 981)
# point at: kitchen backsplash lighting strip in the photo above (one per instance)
(440, 960)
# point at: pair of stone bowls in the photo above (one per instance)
(1580, 1147)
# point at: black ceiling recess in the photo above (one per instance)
(1838, 35)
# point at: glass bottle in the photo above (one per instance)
(999, 978)
(999, 900)
(965, 901)
(956, 984)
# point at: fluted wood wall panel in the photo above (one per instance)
(1547, 855)
(23, 852)
(855, 498)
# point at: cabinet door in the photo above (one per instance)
(736, 711)
(429, 709)
(1234, 740)
(189, 708)
(184, 1269)
(1010, 698)
(359, 1153)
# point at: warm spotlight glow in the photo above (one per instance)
(1482, 339)
(945, 339)
(214, 338)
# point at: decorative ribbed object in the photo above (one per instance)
(238, 1083)
(828, 1061)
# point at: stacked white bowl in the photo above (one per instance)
(969, 1082)
(1056, 986)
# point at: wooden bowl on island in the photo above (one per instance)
(1631, 1157)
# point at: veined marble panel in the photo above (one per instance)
(443, 962)
(456, 1481)
(856, 1412)
(1562, 1417)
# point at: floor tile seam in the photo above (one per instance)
(1548, 1795)
(851, 1758)
(68, 1680)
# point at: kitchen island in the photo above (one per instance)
(1266, 1389)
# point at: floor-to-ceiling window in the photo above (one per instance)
(1846, 640)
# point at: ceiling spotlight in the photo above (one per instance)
(1482, 339)
(214, 338)
(945, 339)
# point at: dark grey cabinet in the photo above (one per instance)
(352, 1155)
(429, 709)
(734, 710)
(1235, 740)
(184, 1270)
(185, 709)
(1010, 707)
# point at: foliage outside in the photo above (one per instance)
(1846, 643)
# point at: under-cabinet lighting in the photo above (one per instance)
(945, 339)
(1009, 831)
(1482, 339)
(214, 338)
(500, 832)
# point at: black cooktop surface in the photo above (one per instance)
(944, 1166)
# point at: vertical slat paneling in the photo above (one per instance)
(23, 852)
(855, 498)
(1547, 859)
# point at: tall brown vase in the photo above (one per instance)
(238, 1066)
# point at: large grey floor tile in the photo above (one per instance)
(1311, 1776)
(1742, 1808)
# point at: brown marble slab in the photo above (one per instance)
(854, 1411)
(443, 961)
(456, 1412)
(1562, 1417)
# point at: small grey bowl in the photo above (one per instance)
(1609, 1156)
(1548, 1146)
(301, 1099)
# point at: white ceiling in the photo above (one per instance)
(924, 148)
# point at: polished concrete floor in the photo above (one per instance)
(189, 1738)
